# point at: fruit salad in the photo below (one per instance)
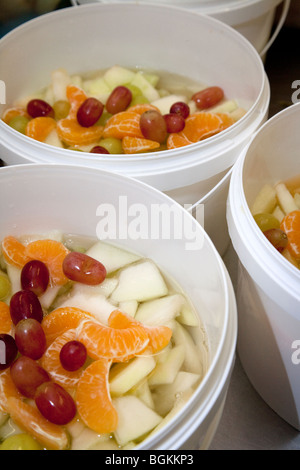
(101, 348)
(276, 211)
(122, 111)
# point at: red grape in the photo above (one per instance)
(39, 108)
(153, 126)
(119, 100)
(55, 403)
(89, 112)
(175, 122)
(180, 108)
(8, 350)
(30, 338)
(28, 375)
(25, 304)
(73, 355)
(82, 268)
(208, 97)
(277, 237)
(35, 277)
(99, 149)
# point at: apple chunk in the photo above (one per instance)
(111, 256)
(160, 311)
(134, 419)
(123, 377)
(166, 371)
(141, 281)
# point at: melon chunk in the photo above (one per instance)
(134, 419)
(265, 201)
(164, 104)
(60, 79)
(105, 288)
(112, 257)
(192, 359)
(124, 376)
(143, 392)
(160, 311)
(83, 438)
(14, 275)
(188, 316)
(145, 86)
(129, 307)
(166, 371)
(141, 281)
(117, 75)
(97, 305)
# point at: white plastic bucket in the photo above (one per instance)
(252, 18)
(59, 39)
(34, 201)
(268, 286)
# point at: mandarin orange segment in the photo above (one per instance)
(52, 253)
(29, 419)
(290, 224)
(199, 125)
(7, 390)
(137, 144)
(14, 252)
(177, 140)
(141, 108)
(72, 133)
(93, 400)
(5, 318)
(226, 119)
(76, 96)
(39, 128)
(117, 344)
(61, 320)
(159, 336)
(10, 113)
(51, 362)
(126, 123)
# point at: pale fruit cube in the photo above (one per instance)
(188, 315)
(265, 201)
(48, 297)
(60, 79)
(165, 396)
(164, 104)
(124, 376)
(278, 213)
(297, 199)
(117, 75)
(112, 257)
(98, 88)
(145, 86)
(14, 274)
(285, 198)
(160, 311)
(97, 305)
(143, 392)
(105, 288)
(134, 419)
(192, 359)
(142, 281)
(227, 106)
(129, 306)
(165, 372)
(53, 139)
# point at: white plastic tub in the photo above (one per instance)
(268, 286)
(34, 201)
(252, 18)
(59, 39)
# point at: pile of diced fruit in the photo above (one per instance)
(121, 111)
(101, 350)
(276, 211)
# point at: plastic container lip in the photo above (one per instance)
(148, 156)
(260, 249)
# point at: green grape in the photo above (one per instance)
(139, 99)
(136, 91)
(5, 286)
(103, 119)
(19, 123)
(21, 441)
(61, 109)
(266, 221)
(112, 144)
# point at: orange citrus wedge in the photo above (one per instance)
(72, 133)
(51, 362)
(29, 419)
(76, 96)
(126, 123)
(14, 252)
(141, 108)
(93, 400)
(116, 344)
(61, 320)
(200, 125)
(5, 319)
(177, 140)
(137, 144)
(7, 389)
(10, 113)
(39, 128)
(52, 253)
(290, 224)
